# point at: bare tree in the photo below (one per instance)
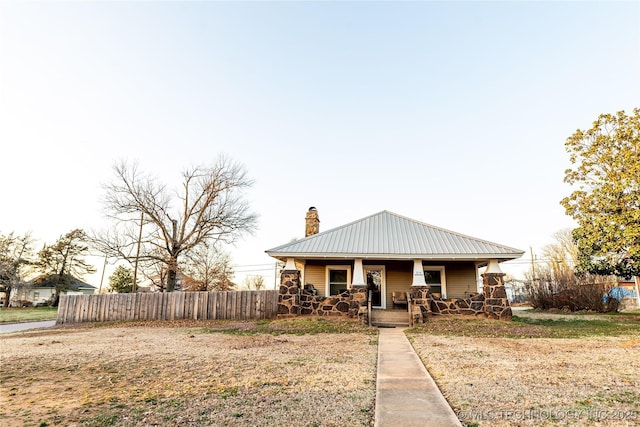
(156, 271)
(16, 254)
(208, 269)
(254, 282)
(208, 209)
(556, 284)
(561, 256)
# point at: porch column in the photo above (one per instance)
(358, 274)
(478, 278)
(420, 301)
(496, 304)
(359, 295)
(418, 273)
(289, 293)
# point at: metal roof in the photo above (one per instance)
(391, 236)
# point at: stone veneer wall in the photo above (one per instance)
(476, 305)
(472, 306)
(294, 301)
(424, 305)
(420, 305)
(289, 295)
(496, 304)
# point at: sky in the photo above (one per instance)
(450, 113)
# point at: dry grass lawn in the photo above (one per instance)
(536, 370)
(185, 374)
(519, 374)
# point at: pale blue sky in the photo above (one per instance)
(453, 113)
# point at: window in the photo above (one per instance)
(434, 276)
(338, 279)
(36, 296)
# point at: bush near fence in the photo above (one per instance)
(233, 305)
(572, 296)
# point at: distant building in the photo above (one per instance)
(42, 290)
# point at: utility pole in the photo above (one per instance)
(533, 266)
(102, 277)
(135, 266)
(275, 276)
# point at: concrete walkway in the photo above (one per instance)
(406, 395)
(16, 327)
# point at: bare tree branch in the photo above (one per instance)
(209, 209)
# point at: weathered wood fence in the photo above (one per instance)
(232, 305)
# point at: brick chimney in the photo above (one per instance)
(312, 222)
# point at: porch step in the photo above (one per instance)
(389, 318)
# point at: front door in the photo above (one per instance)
(375, 284)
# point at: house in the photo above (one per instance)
(41, 291)
(396, 259)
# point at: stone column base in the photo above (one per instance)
(496, 304)
(420, 303)
(359, 300)
(289, 294)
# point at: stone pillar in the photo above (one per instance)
(359, 304)
(420, 305)
(496, 304)
(289, 294)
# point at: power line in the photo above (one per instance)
(538, 261)
(251, 271)
(252, 265)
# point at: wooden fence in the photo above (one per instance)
(232, 305)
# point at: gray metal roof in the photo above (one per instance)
(391, 236)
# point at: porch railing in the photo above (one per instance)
(409, 309)
(369, 306)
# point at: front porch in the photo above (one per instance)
(408, 308)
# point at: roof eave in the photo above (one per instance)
(437, 257)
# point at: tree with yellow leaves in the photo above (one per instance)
(605, 174)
